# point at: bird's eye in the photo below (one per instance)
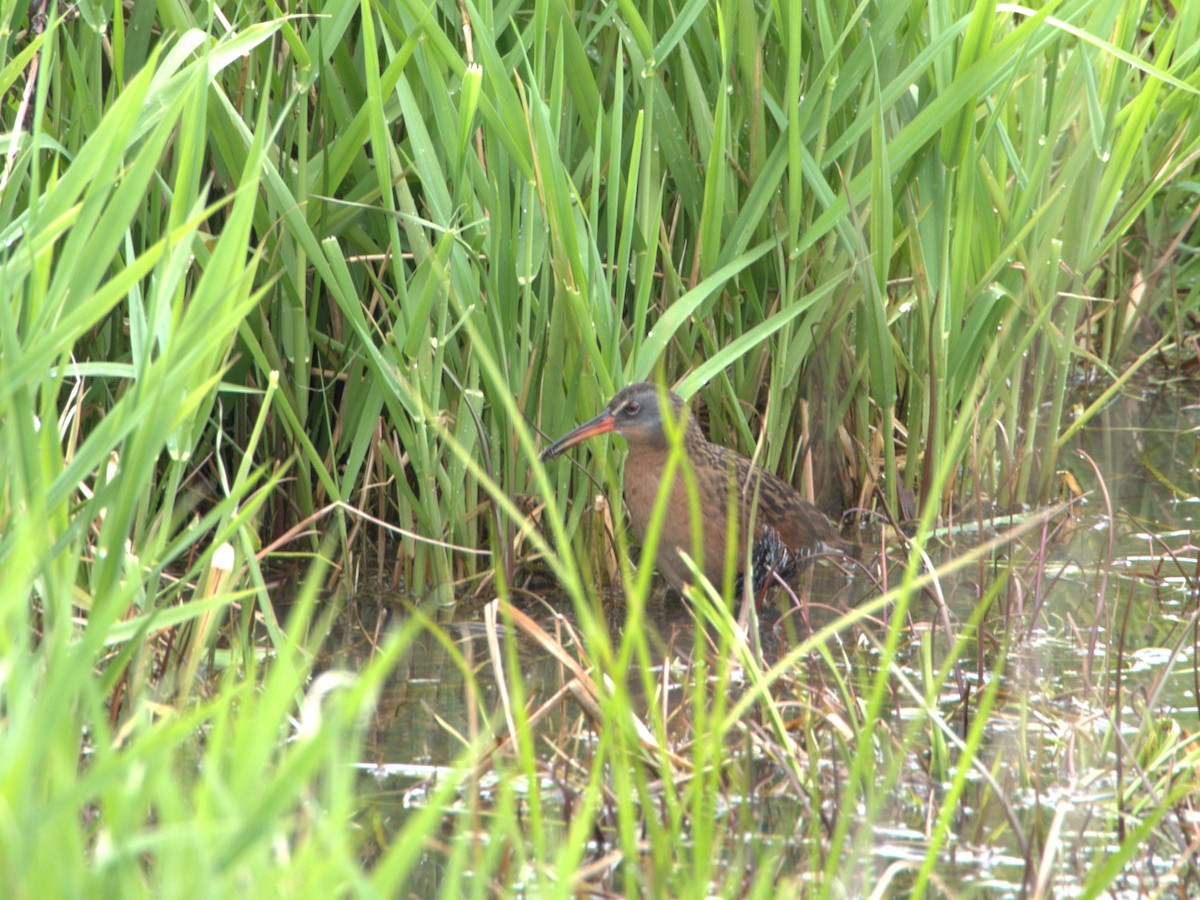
(632, 407)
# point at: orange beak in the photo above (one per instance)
(602, 424)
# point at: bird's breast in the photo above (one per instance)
(644, 475)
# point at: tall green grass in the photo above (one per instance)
(262, 267)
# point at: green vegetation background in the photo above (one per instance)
(261, 266)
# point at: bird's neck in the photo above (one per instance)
(646, 460)
(693, 437)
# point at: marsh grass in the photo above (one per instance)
(278, 281)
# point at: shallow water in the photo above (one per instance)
(1100, 638)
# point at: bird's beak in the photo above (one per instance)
(602, 424)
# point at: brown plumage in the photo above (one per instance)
(635, 414)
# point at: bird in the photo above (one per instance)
(787, 529)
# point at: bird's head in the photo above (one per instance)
(635, 413)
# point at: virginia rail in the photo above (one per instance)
(781, 517)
